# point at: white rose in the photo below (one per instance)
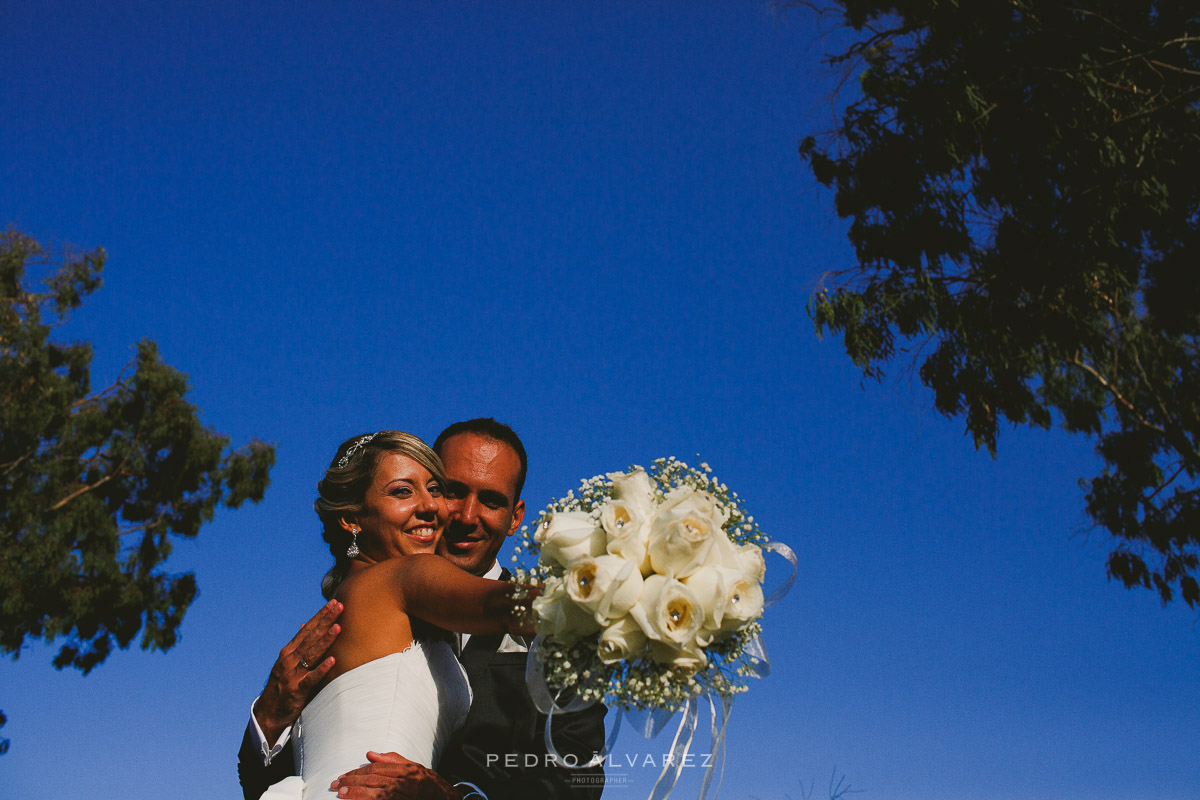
(689, 657)
(698, 499)
(634, 487)
(744, 603)
(726, 554)
(569, 535)
(668, 611)
(607, 586)
(745, 559)
(750, 559)
(708, 584)
(686, 534)
(559, 617)
(628, 529)
(622, 640)
(730, 598)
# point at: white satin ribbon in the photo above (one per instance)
(539, 692)
(717, 755)
(673, 765)
(781, 591)
(651, 722)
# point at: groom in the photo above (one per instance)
(499, 750)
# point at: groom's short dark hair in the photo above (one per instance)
(486, 426)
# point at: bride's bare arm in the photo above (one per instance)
(433, 589)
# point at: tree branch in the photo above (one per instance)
(1120, 398)
(985, 112)
(1165, 484)
(144, 526)
(1174, 68)
(91, 398)
(1087, 13)
(11, 465)
(86, 488)
(92, 486)
(1159, 107)
(1176, 436)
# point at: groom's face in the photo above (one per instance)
(481, 487)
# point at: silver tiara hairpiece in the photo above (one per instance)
(352, 449)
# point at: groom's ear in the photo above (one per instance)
(518, 517)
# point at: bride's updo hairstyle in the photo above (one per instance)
(343, 490)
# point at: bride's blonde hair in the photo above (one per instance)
(343, 490)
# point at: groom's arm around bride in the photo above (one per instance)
(264, 759)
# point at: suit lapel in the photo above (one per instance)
(478, 652)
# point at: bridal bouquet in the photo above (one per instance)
(652, 588)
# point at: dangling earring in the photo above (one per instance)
(352, 550)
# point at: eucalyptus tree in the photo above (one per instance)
(1022, 184)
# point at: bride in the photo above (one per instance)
(396, 684)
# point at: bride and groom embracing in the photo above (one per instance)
(415, 538)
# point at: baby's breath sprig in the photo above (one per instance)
(524, 589)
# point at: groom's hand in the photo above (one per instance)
(391, 776)
(301, 666)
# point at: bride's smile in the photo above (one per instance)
(404, 511)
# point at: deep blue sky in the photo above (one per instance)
(588, 220)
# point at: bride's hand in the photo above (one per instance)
(523, 617)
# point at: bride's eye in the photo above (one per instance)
(435, 489)
(401, 491)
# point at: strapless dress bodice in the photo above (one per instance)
(410, 703)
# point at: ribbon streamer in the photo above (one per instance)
(539, 692)
(535, 679)
(651, 722)
(760, 665)
(686, 730)
(717, 755)
(781, 591)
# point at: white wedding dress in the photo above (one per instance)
(410, 703)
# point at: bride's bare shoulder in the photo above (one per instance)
(386, 583)
(368, 581)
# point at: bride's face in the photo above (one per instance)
(404, 510)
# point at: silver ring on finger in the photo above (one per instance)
(306, 665)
